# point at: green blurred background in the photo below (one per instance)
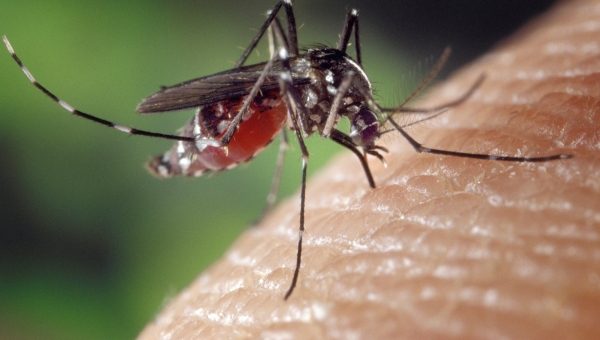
(91, 245)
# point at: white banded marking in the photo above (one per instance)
(184, 163)
(82, 114)
(66, 106)
(283, 53)
(122, 128)
(9, 47)
(285, 76)
(163, 170)
(28, 74)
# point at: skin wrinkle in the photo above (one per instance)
(444, 247)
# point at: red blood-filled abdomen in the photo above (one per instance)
(266, 117)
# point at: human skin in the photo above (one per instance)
(444, 247)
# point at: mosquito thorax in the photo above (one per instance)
(327, 68)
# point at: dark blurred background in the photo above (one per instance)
(91, 245)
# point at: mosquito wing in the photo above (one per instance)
(210, 89)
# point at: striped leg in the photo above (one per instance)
(345, 141)
(276, 38)
(292, 37)
(335, 105)
(350, 23)
(66, 106)
(296, 111)
(235, 122)
(277, 174)
(420, 148)
(292, 48)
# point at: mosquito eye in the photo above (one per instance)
(364, 128)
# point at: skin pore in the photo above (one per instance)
(443, 247)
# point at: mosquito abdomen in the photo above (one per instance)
(265, 118)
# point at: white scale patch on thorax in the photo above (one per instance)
(330, 79)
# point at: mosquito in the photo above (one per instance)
(238, 112)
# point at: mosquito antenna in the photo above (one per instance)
(419, 121)
(435, 70)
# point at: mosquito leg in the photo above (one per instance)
(280, 36)
(350, 22)
(295, 111)
(296, 98)
(271, 14)
(290, 42)
(419, 121)
(276, 182)
(271, 39)
(301, 228)
(357, 41)
(335, 105)
(276, 37)
(292, 35)
(305, 156)
(235, 122)
(420, 148)
(345, 141)
(446, 105)
(66, 106)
